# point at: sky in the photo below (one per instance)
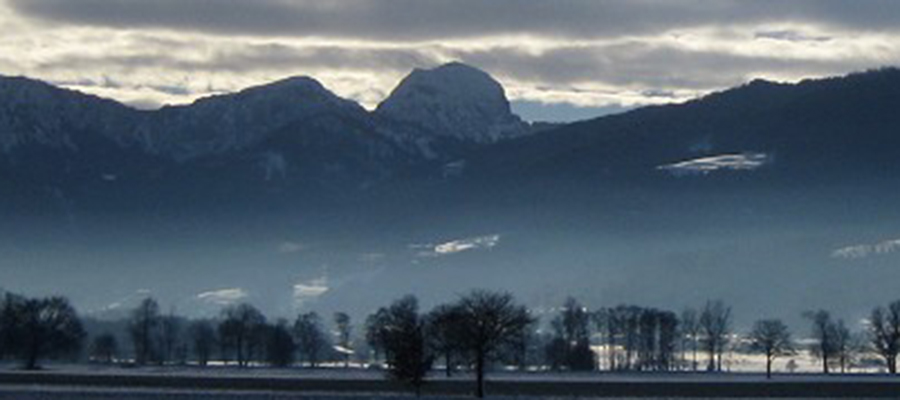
(559, 60)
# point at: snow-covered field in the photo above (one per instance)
(810, 373)
(104, 382)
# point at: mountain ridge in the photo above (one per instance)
(293, 139)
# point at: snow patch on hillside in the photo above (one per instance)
(723, 162)
(223, 297)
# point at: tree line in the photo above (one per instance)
(479, 331)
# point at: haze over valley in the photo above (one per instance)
(775, 197)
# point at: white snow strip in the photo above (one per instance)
(705, 165)
(223, 296)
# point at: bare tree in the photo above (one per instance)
(845, 344)
(203, 340)
(610, 323)
(170, 336)
(884, 327)
(343, 331)
(772, 338)
(823, 334)
(715, 323)
(404, 341)
(9, 317)
(522, 349)
(375, 324)
(41, 328)
(444, 332)
(104, 348)
(690, 330)
(310, 338)
(142, 326)
(666, 337)
(572, 329)
(240, 330)
(492, 320)
(280, 346)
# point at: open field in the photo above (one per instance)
(265, 384)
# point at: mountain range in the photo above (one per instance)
(754, 185)
(293, 133)
(450, 121)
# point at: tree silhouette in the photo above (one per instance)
(241, 330)
(280, 346)
(375, 324)
(610, 323)
(491, 321)
(690, 329)
(444, 332)
(142, 327)
(9, 317)
(343, 331)
(104, 348)
(170, 327)
(310, 338)
(203, 340)
(404, 341)
(715, 322)
(823, 330)
(884, 327)
(572, 338)
(846, 344)
(53, 329)
(771, 338)
(39, 328)
(666, 338)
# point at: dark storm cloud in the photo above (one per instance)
(649, 65)
(249, 57)
(442, 19)
(643, 64)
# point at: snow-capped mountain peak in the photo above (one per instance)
(232, 121)
(453, 100)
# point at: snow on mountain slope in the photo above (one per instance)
(34, 112)
(706, 165)
(222, 123)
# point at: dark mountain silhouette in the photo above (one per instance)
(817, 130)
(443, 132)
(741, 192)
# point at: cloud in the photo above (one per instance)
(223, 297)
(371, 257)
(458, 246)
(416, 20)
(866, 250)
(309, 290)
(572, 55)
(289, 247)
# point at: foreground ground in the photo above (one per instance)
(68, 393)
(261, 383)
